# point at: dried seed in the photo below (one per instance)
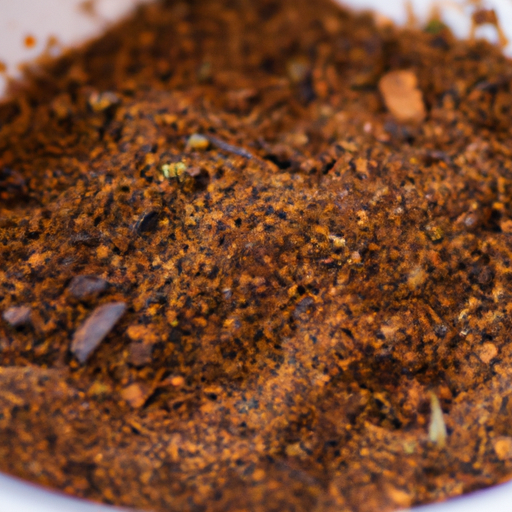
(198, 142)
(86, 287)
(92, 332)
(437, 428)
(17, 316)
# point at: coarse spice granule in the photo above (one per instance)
(238, 273)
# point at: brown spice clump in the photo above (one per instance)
(301, 271)
(402, 96)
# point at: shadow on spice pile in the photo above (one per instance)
(245, 246)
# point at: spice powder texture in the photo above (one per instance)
(236, 270)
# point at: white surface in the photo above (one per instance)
(65, 20)
(42, 19)
(494, 499)
(17, 496)
(456, 17)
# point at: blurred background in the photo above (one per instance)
(31, 28)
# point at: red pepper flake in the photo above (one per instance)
(29, 41)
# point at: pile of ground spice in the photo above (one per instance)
(256, 255)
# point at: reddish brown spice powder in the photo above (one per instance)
(287, 281)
